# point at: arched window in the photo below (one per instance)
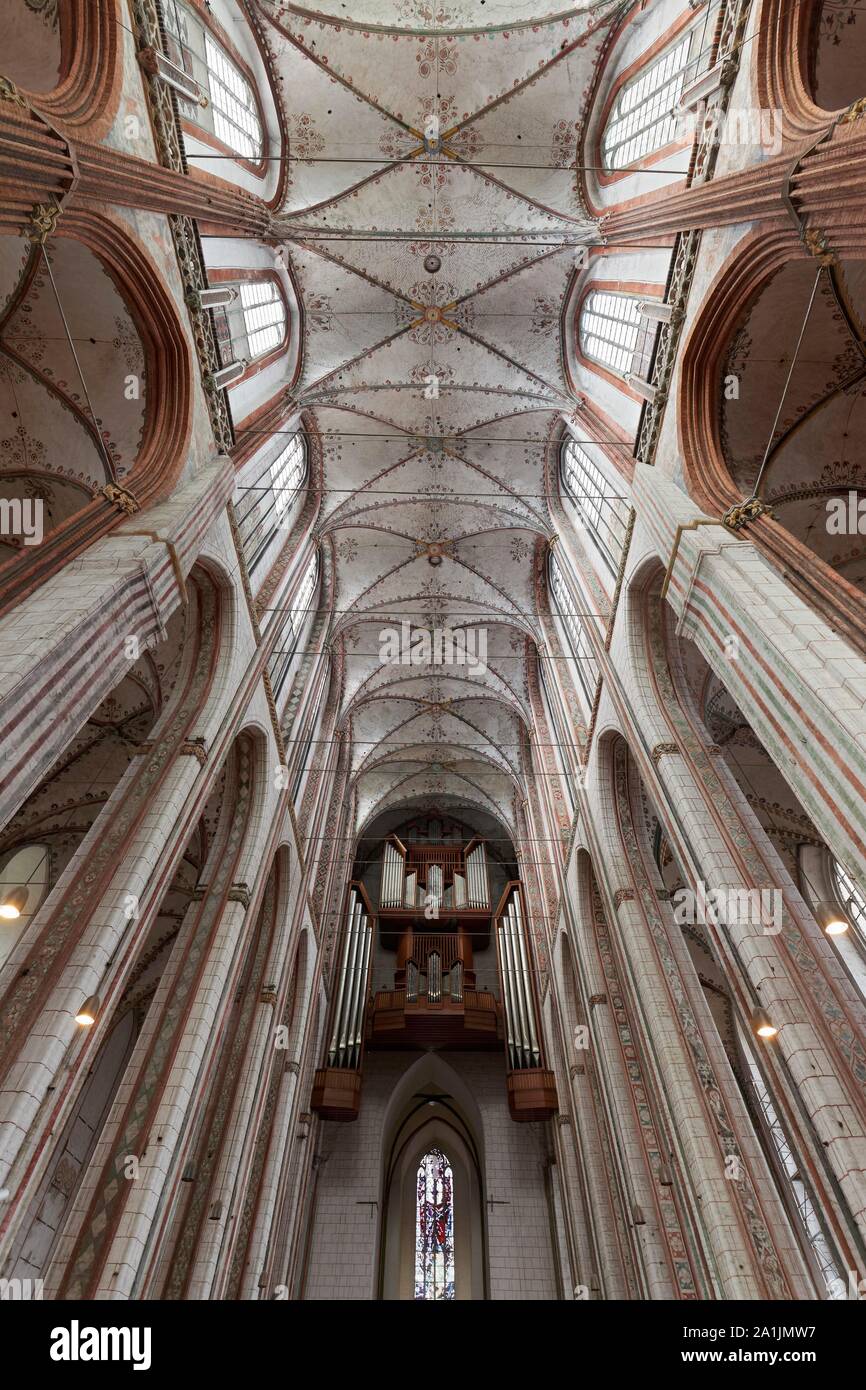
(792, 1170)
(565, 755)
(851, 898)
(643, 118)
(434, 1228)
(602, 511)
(253, 324)
(293, 626)
(23, 886)
(267, 503)
(231, 112)
(580, 649)
(614, 333)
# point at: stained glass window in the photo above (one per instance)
(434, 1228)
(267, 505)
(293, 624)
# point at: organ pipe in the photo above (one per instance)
(360, 995)
(434, 884)
(476, 870)
(521, 1028)
(341, 988)
(411, 982)
(338, 1041)
(508, 992)
(455, 982)
(393, 872)
(425, 883)
(346, 1037)
(526, 981)
(434, 977)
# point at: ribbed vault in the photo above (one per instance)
(431, 220)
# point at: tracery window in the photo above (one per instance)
(564, 753)
(253, 325)
(231, 111)
(293, 626)
(579, 645)
(434, 1228)
(267, 503)
(643, 117)
(603, 511)
(851, 898)
(800, 1192)
(613, 332)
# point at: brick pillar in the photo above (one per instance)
(113, 1234)
(586, 1146)
(802, 688)
(66, 644)
(740, 1226)
(38, 166)
(614, 1084)
(827, 189)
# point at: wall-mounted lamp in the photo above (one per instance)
(763, 1024)
(832, 919)
(89, 1011)
(13, 903)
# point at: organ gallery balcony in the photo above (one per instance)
(434, 1002)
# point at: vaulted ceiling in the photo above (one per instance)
(432, 279)
(814, 452)
(49, 447)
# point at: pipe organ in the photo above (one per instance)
(345, 1048)
(521, 1035)
(434, 914)
(337, 1085)
(531, 1087)
(476, 878)
(424, 876)
(393, 893)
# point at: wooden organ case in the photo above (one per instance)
(435, 911)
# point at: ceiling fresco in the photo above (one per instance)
(434, 222)
(813, 453)
(50, 448)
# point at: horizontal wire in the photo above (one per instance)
(424, 161)
(360, 492)
(456, 613)
(441, 671)
(422, 448)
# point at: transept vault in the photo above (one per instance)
(432, 830)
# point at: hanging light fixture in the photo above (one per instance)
(13, 903)
(763, 1024)
(89, 1011)
(832, 919)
